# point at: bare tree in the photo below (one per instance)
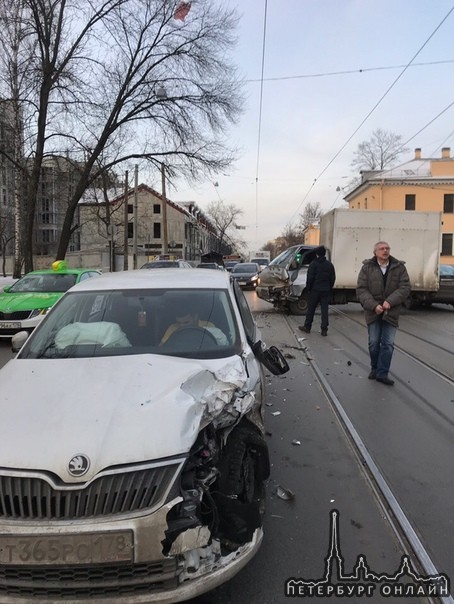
(124, 81)
(16, 52)
(383, 149)
(6, 236)
(290, 236)
(311, 213)
(224, 218)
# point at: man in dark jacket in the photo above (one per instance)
(319, 284)
(383, 285)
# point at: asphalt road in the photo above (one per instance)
(408, 430)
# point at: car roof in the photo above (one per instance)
(247, 266)
(160, 263)
(185, 278)
(66, 271)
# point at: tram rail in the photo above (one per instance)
(405, 532)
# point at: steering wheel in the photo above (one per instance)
(192, 338)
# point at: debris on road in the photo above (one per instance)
(285, 494)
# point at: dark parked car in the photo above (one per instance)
(230, 265)
(246, 274)
(214, 265)
(445, 293)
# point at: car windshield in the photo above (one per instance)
(245, 268)
(302, 255)
(47, 282)
(284, 257)
(161, 264)
(188, 323)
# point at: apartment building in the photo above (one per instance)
(102, 225)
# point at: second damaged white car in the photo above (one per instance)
(132, 442)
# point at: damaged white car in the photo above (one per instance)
(132, 442)
(283, 281)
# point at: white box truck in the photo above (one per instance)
(261, 257)
(349, 237)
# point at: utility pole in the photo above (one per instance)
(165, 245)
(135, 216)
(125, 223)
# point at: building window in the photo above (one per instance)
(410, 202)
(156, 208)
(47, 236)
(448, 205)
(446, 244)
(130, 208)
(130, 230)
(156, 230)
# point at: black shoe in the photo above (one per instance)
(385, 380)
(304, 328)
(372, 375)
(324, 332)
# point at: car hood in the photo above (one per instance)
(114, 410)
(274, 276)
(27, 301)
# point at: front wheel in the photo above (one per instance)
(300, 306)
(240, 491)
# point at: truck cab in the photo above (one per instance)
(283, 281)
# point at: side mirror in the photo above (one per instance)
(6, 288)
(272, 358)
(18, 340)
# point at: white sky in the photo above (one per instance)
(306, 120)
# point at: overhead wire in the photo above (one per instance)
(346, 71)
(371, 111)
(403, 145)
(260, 123)
(444, 141)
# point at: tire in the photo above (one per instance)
(244, 464)
(411, 303)
(300, 306)
(240, 491)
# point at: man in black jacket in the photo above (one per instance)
(319, 284)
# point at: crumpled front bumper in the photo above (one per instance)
(207, 577)
(272, 294)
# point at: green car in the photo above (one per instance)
(25, 303)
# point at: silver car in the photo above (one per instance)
(137, 474)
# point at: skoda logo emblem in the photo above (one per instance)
(78, 465)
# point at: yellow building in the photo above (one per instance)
(421, 185)
(312, 234)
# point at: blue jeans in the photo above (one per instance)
(381, 346)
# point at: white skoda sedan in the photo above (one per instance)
(132, 442)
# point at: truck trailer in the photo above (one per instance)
(349, 237)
